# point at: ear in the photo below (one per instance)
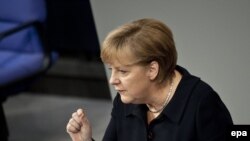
(153, 70)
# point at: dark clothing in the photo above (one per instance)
(195, 113)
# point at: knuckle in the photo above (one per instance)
(74, 114)
(71, 120)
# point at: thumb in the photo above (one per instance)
(80, 112)
(82, 116)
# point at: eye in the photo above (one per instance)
(123, 71)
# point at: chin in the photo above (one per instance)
(126, 100)
(129, 100)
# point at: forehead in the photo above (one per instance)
(122, 61)
(122, 55)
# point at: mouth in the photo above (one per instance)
(120, 91)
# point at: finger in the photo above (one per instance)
(77, 118)
(80, 112)
(71, 129)
(75, 124)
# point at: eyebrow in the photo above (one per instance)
(125, 65)
(121, 66)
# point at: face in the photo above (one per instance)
(130, 81)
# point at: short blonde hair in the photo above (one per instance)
(148, 40)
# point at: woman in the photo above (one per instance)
(157, 99)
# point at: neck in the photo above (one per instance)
(161, 98)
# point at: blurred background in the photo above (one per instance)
(76, 78)
(212, 39)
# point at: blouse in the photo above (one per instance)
(195, 113)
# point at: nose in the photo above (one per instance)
(113, 80)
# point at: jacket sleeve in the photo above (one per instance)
(111, 131)
(213, 118)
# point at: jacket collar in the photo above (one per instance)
(176, 106)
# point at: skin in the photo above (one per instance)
(135, 84)
(132, 82)
(79, 127)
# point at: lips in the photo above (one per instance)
(120, 91)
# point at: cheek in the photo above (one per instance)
(136, 86)
(131, 81)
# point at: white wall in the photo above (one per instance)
(212, 38)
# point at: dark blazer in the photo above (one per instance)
(195, 113)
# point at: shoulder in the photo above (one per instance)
(198, 93)
(204, 93)
(194, 85)
(209, 103)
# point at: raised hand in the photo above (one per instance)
(79, 127)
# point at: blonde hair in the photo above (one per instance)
(148, 40)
